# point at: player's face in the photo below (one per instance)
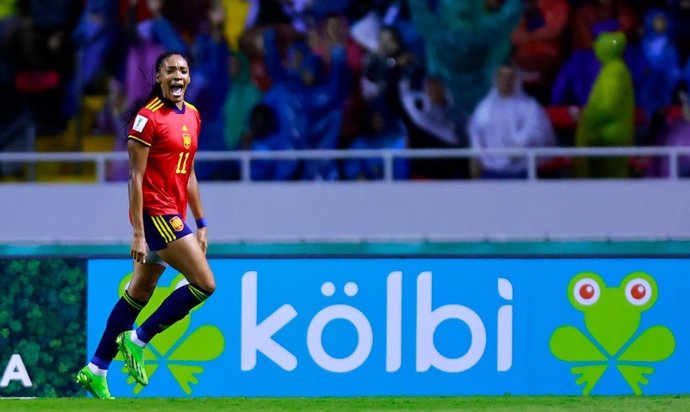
(173, 75)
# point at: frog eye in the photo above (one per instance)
(586, 291)
(638, 291)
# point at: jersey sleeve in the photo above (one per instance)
(142, 128)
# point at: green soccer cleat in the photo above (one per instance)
(134, 357)
(96, 385)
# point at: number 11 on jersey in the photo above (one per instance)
(182, 163)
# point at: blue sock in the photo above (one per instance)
(174, 307)
(121, 319)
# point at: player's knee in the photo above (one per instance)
(210, 287)
(141, 293)
(202, 292)
(207, 285)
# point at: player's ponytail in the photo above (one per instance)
(156, 91)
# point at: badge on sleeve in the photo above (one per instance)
(139, 123)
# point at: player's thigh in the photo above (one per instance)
(185, 255)
(144, 280)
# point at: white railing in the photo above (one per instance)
(533, 156)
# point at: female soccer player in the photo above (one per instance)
(161, 147)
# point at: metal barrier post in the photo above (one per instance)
(531, 166)
(673, 165)
(387, 166)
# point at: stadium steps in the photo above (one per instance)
(67, 142)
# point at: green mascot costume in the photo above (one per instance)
(608, 118)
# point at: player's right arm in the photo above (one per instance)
(139, 141)
(138, 155)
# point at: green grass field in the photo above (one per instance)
(504, 403)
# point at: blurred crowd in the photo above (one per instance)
(366, 74)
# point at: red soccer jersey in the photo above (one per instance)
(172, 138)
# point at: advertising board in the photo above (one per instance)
(415, 326)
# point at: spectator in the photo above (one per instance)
(387, 66)
(320, 94)
(15, 120)
(662, 61)
(188, 17)
(101, 36)
(323, 9)
(334, 34)
(595, 12)
(460, 41)
(289, 72)
(209, 90)
(676, 133)
(381, 130)
(252, 44)
(323, 99)
(136, 11)
(267, 134)
(538, 41)
(279, 12)
(43, 60)
(240, 100)
(680, 10)
(328, 86)
(239, 15)
(285, 78)
(507, 118)
(432, 123)
(608, 118)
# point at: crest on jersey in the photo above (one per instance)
(176, 224)
(186, 140)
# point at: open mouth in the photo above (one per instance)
(176, 90)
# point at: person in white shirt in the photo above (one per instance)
(507, 118)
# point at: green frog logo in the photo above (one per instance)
(180, 350)
(613, 336)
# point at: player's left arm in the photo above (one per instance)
(194, 200)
